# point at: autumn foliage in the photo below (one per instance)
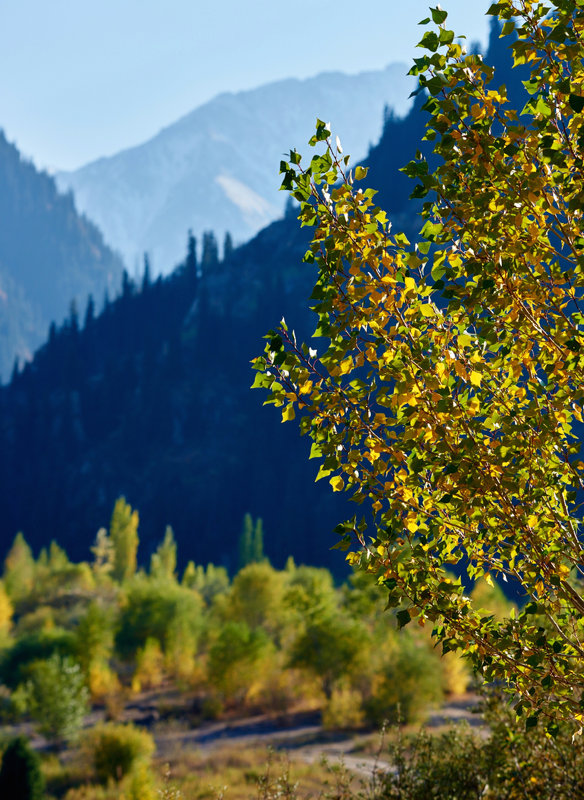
(448, 395)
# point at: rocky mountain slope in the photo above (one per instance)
(217, 167)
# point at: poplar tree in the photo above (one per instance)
(163, 561)
(447, 395)
(124, 538)
(19, 569)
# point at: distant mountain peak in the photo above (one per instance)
(216, 168)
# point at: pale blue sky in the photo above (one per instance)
(82, 79)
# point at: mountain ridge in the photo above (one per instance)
(49, 256)
(220, 161)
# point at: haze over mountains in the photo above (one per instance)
(49, 257)
(150, 399)
(217, 167)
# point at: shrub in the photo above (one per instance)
(58, 698)
(117, 750)
(451, 766)
(159, 610)
(331, 646)
(256, 598)
(510, 764)
(20, 775)
(149, 666)
(33, 647)
(344, 710)
(410, 679)
(234, 658)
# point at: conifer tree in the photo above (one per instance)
(127, 284)
(257, 550)
(73, 321)
(15, 370)
(210, 256)
(52, 332)
(89, 313)
(21, 777)
(246, 541)
(146, 277)
(191, 259)
(227, 247)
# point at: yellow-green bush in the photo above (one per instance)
(407, 682)
(344, 710)
(149, 666)
(116, 750)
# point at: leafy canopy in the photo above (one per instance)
(449, 391)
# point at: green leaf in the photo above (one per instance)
(576, 103)
(403, 618)
(438, 15)
(446, 37)
(429, 41)
(542, 107)
(360, 173)
(432, 230)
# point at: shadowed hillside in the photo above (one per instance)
(48, 256)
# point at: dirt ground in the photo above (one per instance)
(300, 735)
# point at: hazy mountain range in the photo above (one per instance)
(217, 167)
(151, 399)
(49, 256)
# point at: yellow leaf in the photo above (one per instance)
(428, 310)
(459, 369)
(410, 284)
(473, 407)
(337, 483)
(475, 378)
(322, 473)
(288, 413)
(346, 365)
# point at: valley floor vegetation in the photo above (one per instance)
(89, 638)
(86, 644)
